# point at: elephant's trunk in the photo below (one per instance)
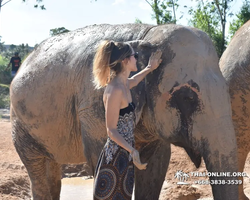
(223, 180)
(220, 155)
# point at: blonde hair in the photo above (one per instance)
(107, 62)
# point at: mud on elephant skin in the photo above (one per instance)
(58, 117)
(235, 67)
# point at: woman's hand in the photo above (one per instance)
(136, 160)
(154, 60)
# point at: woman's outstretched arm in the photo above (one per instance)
(153, 63)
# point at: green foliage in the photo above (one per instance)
(57, 31)
(242, 17)
(204, 19)
(4, 96)
(164, 10)
(5, 56)
(5, 76)
(3, 61)
(211, 17)
(5, 80)
(4, 89)
(1, 45)
(138, 21)
(22, 49)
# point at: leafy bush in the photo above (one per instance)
(4, 96)
(5, 76)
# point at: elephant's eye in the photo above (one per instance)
(194, 84)
(191, 98)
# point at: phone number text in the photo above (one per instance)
(218, 182)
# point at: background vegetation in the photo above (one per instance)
(6, 52)
(210, 16)
(5, 79)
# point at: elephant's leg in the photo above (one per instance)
(37, 172)
(33, 157)
(148, 183)
(54, 178)
(242, 155)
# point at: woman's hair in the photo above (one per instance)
(107, 61)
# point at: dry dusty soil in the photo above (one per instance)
(14, 181)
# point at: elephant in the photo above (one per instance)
(235, 66)
(57, 115)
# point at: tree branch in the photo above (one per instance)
(157, 12)
(208, 23)
(4, 3)
(149, 4)
(174, 11)
(225, 8)
(218, 6)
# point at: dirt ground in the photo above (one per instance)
(14, 181)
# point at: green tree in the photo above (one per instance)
(223, 9)
(57, 31)
(138, 21)
(164, 10)
(241, 18)
(2, 48)
(211, 17)
(12, 47)
(22, 49)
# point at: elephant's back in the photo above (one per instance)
(60, 65)
(55, 80)
(235, 61)
(76, 49)
(54, 84)
(70, 54)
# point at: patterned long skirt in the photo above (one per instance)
(114, 180)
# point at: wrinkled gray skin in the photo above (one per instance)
(58, 117)
(235, 66)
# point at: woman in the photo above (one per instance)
(113, 62)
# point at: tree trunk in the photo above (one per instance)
(224, 27)
(174, 11)
(223, 22)
(208, 23)
(156, 10)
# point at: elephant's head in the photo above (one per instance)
(185, 101)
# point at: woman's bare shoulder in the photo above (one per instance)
(112, 91)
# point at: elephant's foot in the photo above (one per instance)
(148, 183)
(36, 196)
(54, 178)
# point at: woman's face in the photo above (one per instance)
(131, 64)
